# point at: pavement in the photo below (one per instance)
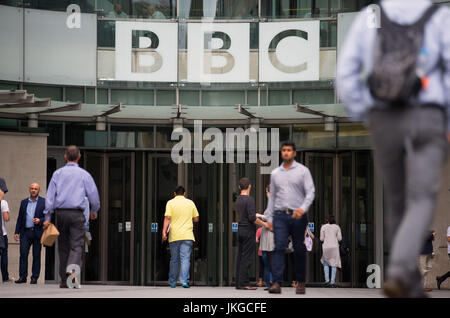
(11, 290)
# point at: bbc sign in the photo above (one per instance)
(217, 52)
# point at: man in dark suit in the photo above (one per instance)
(29, 227)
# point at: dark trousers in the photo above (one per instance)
(410, 150)
(283, 226)
(247, 244)
(446, 275)
(30, 238)
(261, 267)
(71, 227)
(4, 261)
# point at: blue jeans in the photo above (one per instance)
(283, 226)
(326, 269)
(180, 251)
(267, 260)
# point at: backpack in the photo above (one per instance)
(394, 78)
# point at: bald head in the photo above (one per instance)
(72, 154)
(34, 190)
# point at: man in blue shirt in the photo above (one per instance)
(29, 229)
(66, 195)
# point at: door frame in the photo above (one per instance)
(104, 208)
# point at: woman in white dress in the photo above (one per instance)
(330, 235)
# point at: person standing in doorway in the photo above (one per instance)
(267, 245)
(330, 235)
(181, 213)
(441, 279)
(291, 194)
(396, 78)
(29, 230)
(245, 206)
(425, 259)
(66, 194)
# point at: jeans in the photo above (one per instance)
(410, 150)
(247, 244)
(326, 269)
(4, 261)
(267, 259)
(283, 226)
(30, 238)
(180, 251)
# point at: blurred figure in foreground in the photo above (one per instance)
(394, 75)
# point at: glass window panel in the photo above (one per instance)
(279, 98)
(85, 135)
(252, 98)
(220, 9)
(74, 94)
(11, 2)
(163, 135)
(313, 136)
(54, 130)
(8, 123)
(222, 98)
(189, 98)
(53, 92)
(86, 6)
(286, 9)
(102, 96)
(154, 9)
(8, 86)
(353, 136)
(311, 96)
(131, 137)
(165, 98)
(328, 33)
(132, 97)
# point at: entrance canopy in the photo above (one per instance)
(20, 105)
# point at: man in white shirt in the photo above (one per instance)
(4, 254)
(441, 279)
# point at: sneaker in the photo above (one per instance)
(185, 285)
(173, 285)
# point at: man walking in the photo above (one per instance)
(441, 279)
(29, 228)
(291, 194)
(396, 78)
(180, 215)
(66, 194)
(245, 206)
(425, 259)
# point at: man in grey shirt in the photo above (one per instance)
(291, 194)
(409, 139)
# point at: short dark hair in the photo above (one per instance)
(179, 190)
(244, 183)
(289, 143)
(72, 153)
(331, 219)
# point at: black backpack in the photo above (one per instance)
(394, 78)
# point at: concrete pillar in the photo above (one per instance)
(23, 160)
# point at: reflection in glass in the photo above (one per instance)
(311, 136)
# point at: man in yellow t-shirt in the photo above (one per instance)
(180, 215)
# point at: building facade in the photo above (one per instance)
(115, 77)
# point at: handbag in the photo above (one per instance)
(308, 243)
(50, 235)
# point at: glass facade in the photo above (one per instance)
(131, 163)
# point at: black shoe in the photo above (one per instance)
(33, 281)
(438, 281)
(326, 284)
(275, 288)
(21, 281)
(63, 285)
(333, 286)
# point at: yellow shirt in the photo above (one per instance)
(181, 211)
